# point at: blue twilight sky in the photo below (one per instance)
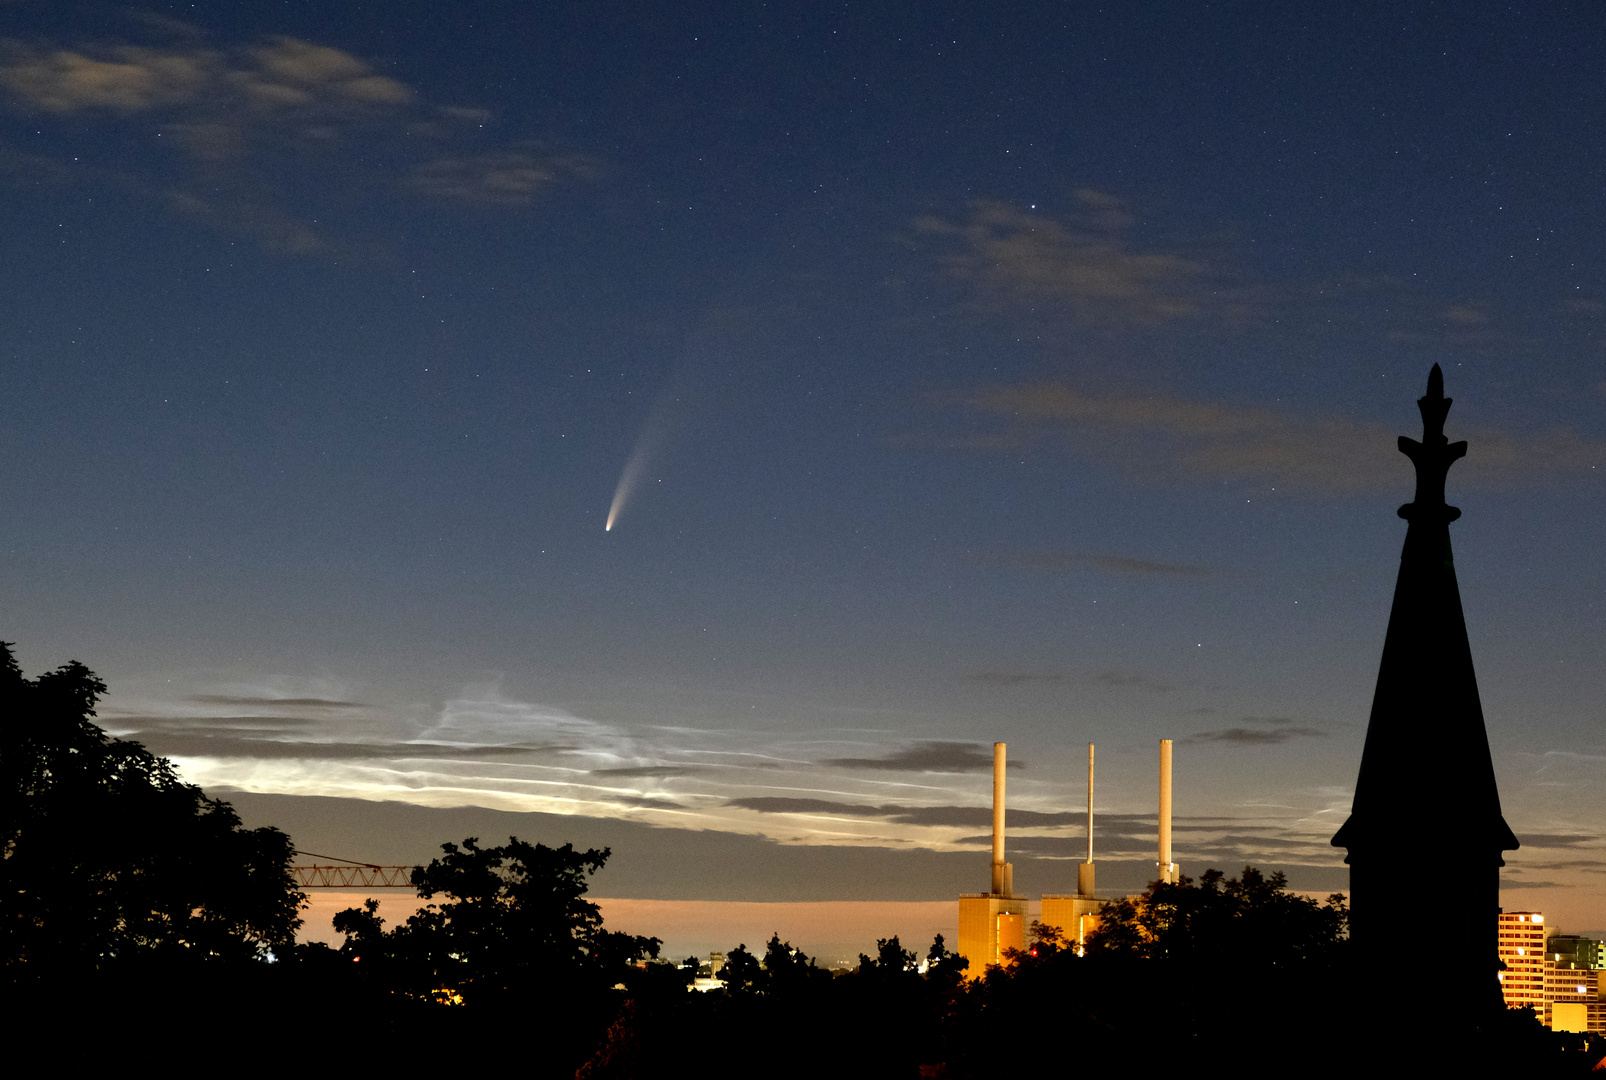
(957, 375)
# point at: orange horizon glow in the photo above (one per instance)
(829, 930)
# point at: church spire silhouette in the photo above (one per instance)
(1425, 833)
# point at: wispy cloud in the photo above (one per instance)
(644, 771)
(1556, 840)
(1088, 262)
(1015, 678)
(937, 756)
(1216, 844)
(777, 804)
(253, 214)
(268, 137)
(832, 786)
(236, 723)
(1129, 679)
(1086, 560)
(1467, 314)
(270, 702)
(233, 743)
(645, 802)
(1103, 264)
(1113, 679)
(905, 815)
(280, 76)
(1267, 731)
(1593, 866)
(503, 178)
(1162, 435)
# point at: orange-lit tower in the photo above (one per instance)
(993, 921)
(1169, 873)
(1426, 794)
(1077, 916)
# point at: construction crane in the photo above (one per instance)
(351, 875)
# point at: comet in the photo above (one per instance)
(679, 394)
(634, 467)
(654, 433)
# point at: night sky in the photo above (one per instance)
(954, 376)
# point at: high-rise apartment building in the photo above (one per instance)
(1522, 948)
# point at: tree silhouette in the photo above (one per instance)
(944, 967)
(110, 858)
(742, 973)
(892, 962)
(513, 922)
(1250, 920)
(510, 937)
(789, 970)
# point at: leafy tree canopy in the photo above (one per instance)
(1250, 919)
(892, 962)
(943, 965)
(109, 856)
(790, 970)
(511, 920)
(742, 972)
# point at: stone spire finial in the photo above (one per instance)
(1434, 455)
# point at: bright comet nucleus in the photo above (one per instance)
(627, 483)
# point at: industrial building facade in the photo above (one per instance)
(1074, 916)
(990, 925)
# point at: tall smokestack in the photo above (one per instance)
(1084, 873)
(1168, 869)
(1003, 873)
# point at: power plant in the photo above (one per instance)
(1076, 916)
(993, 922)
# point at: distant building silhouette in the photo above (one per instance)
(1426, 806)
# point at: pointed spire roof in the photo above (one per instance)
(1426, 776)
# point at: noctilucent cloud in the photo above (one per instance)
(729, 419)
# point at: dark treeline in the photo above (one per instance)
(140, 918)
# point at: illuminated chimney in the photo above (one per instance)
(1003, 873)
(1084, 873)
(1168, 869)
